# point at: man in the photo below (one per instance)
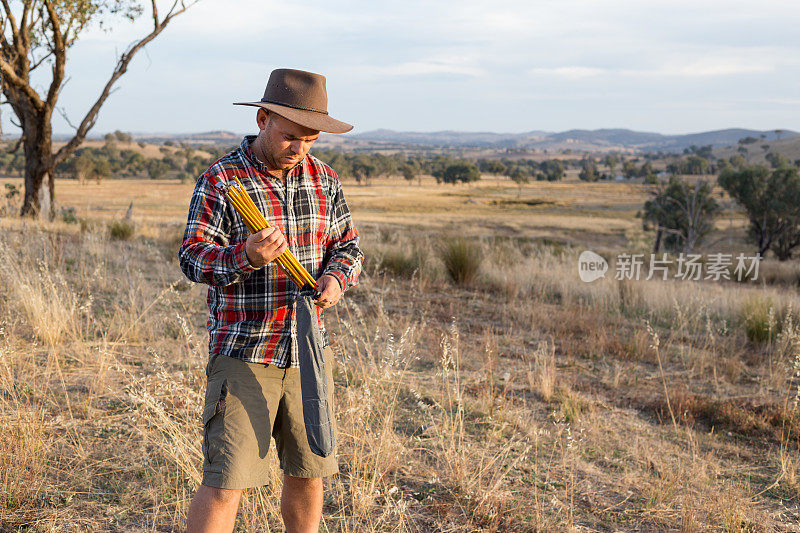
(253, 389)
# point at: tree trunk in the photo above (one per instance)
(39, 172)
(657, 245)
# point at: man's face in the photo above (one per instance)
(282, 144)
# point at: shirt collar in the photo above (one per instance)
(250, 155)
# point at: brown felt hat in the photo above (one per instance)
(301, 97)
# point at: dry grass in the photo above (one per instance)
(529, 401)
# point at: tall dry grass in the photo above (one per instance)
(526, 403)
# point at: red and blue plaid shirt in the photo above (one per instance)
(252, 312)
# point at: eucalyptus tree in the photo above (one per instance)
(37, 34)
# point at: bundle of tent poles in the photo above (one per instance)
(256, 222)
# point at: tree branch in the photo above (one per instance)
(60, 52)
(13, 21)
(63, 113)
(174, 5)
(17, 145)
(23, 26)
(36, 64)
(9, 76)
(122, 66)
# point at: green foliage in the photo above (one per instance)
(682, 210)
(157, 168)
(363, 168)
(629, 169)
(445, 168)
(588, 170)
(738, 161)
(520, 176)
(777, 160)
(69, 215)
(88, 166)
(570, 406)
(705, 152)
(462, 259)
(553, 169)
(11, 191)
(121, 230)
(384, 165)
(461, 171)
(410, 171)
(693, 165)
(492, 166)
(401, 263)
(760, 320)
(438, 165)
(696, 165)
(195, 166)
(109, 160)
(123, 137)
(771, 199)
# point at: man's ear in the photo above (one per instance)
(262, 118)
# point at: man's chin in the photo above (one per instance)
(288, 164)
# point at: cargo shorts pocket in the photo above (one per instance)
(213, 415)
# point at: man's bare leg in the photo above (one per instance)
(301, 504)
(213, 510)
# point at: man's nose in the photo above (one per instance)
(297, 147)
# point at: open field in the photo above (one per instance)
(597, 214)
(520, 400)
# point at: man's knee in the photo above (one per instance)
(309, 482)
(222, 496)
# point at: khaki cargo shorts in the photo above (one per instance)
(245, 404)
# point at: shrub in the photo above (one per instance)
(401, 263)
(761, 323)
(462, 259)
(88, 225)
(69, 215)
(121, 230)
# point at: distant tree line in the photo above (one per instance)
(771, 200)
(683, 213)
(115, 159)
(365, 166)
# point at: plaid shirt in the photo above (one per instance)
(252, 312)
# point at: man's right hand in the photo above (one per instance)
(265, 246)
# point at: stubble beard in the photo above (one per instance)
(275, 163)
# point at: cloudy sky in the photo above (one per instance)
(671, 66)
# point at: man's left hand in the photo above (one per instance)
(330, 291)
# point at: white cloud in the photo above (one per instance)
(572, 72)
(420, 68)
(707, 67)
(591, 62)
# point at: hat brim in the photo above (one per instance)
(310, 119)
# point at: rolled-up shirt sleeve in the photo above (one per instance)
(205, 254)
(344, 254)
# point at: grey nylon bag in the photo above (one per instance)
(313, 384)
